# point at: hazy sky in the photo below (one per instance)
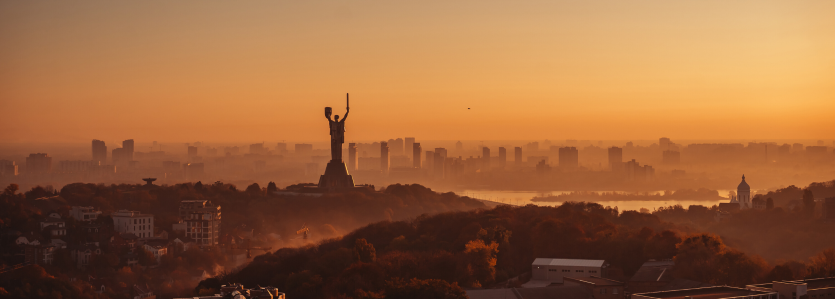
(264, 70)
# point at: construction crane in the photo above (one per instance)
(247, 245)
(304, 231)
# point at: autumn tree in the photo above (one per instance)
(769, 203)
(822, 265)
(271, 187)
(253, 189)
(364, 251)
(480, 262)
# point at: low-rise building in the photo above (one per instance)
(82, 255)
(656, 276)
(53, 219)
(719, 292)
(84, 214)
(157, 247)
(815, 288)
(553, 270)
(238, 291)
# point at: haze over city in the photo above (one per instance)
(646, 149)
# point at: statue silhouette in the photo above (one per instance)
(337, 128)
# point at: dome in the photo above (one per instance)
(743, 186)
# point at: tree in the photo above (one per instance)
(808, 202)
(145, 257)
(822, 265)
(11, 189)
(423, 289)
(271, 187)
(481, 261)
(253, 189)
(364, 251)
(769, 203)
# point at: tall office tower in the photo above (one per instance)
(352, 156)
(615, 157)
(485, 158)
(38, 163)
(384, 157)
(399, 150)
(128, 146)
(671, 157)
(438, 168)
(502, 157)
(517, 155)
(430, 160)
(416, 151)
(459, 146)
(410, 141)
(281, 147)
(664, 143)
(441, 151)
(192, 151)
(569, 159)
(99, 152)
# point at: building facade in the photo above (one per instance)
(554, 270)
(141, 225)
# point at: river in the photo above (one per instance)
(524, 198)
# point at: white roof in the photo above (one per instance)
(568, 262)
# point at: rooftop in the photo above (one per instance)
(811, 284)
(703, 293)
(568, 262)
(654, 271)
(597, 281)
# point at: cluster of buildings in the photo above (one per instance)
(199, 227)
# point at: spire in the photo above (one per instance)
(743, 177)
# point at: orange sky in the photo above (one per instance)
(264, 70)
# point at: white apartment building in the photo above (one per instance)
(141, 225)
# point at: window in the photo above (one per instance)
(566, 270)
(615, 291)
(580, 271)
(552, 270)
(603, 291)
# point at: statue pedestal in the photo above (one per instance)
(336, 177)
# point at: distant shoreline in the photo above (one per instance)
(683, 194)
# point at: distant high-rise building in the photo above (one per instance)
(192, 151)
(99, 152)
(438, 168)
(281, 147)
(797, 147)
(485, 152)
(429, 162)
(410, 141)
(664, 143)
(569, 158)
(820, 142)
(128, 146)
(8, 168)
(120, 156)
(615, 158)
(255, 148)
(193, 171)
(303, 148)
(629, 144)
(441, 151)
(517, 155)
(384, 157)
(671, 157)
(352, 156)
(395, 146)
(502, 157)
(38, 163)
(459, 146)
(532, 147)
(416, 151)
